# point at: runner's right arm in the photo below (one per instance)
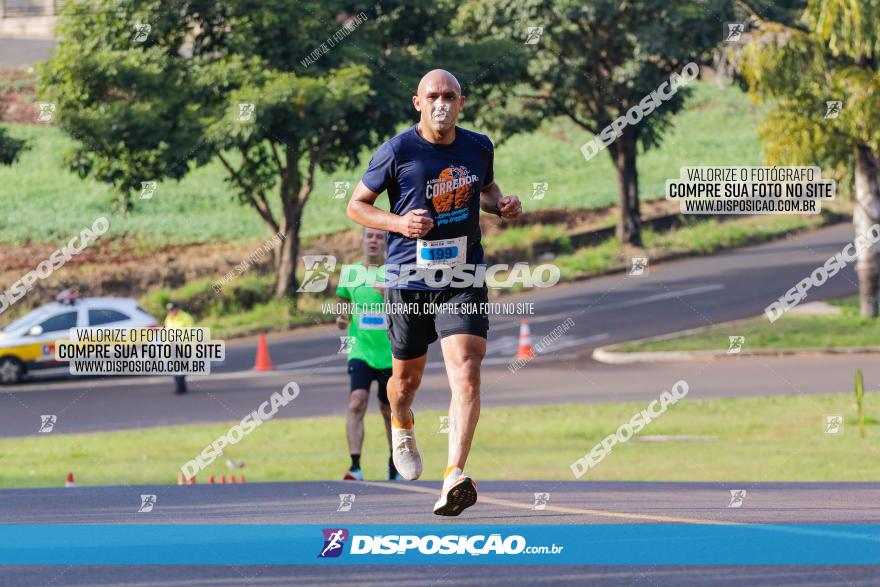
(361, 209)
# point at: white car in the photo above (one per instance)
(29, 342)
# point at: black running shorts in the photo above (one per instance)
(417, 327)
(362, 377)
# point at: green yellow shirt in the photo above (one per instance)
(181, 320)
(368, 329)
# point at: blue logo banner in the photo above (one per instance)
(280, 544)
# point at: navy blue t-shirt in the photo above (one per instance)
(446, 180)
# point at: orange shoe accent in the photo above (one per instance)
(449, 470)
(405, 426)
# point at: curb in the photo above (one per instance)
(611, 356)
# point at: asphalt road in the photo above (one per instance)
(503, 504)
(19, 52)
(429, 576)
(673, 296)
(500, 502)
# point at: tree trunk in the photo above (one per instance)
(866, 213)
(629, 225)
(286, 255)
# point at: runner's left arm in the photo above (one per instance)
(491, 201)
(342, 318)
(343, 297)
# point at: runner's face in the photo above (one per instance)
(439, 102)
(374, 243)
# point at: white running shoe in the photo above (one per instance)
(407, 459)
(459, 493)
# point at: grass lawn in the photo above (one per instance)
(758, 439)
(791, 331)
(50, 204)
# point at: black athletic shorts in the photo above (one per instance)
(362, 377)
(412, 332)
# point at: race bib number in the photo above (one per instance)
(368, 321)
(445, 252)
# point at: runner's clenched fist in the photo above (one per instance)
(510, 207)
(415, 223)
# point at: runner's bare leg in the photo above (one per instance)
(463, 355)
(354, 422)
(405, 379)
(386, 415)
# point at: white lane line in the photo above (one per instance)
(549, 351)
(564, 344)
(35, 386)
(307, 362)
(555, 508)
(693, 291)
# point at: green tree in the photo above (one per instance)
(594, 61)
(10, 147)
(275, 89)
(830, 54)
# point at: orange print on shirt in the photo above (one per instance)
(452, 190)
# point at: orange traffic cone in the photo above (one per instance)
(193, 480)
(241, 480)
(264, 363)
(232, 478)
(211, 480)
(223, 480)
(525, 342)
(181, 480)
(69, 482)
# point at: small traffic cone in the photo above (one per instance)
(263, 363)
(232, 478)
(525, 342)
(181, 480)
(192, 481)
(241, 480)
(211, 480)
(223, 479)
(69, 482)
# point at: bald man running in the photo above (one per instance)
(438, 177)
